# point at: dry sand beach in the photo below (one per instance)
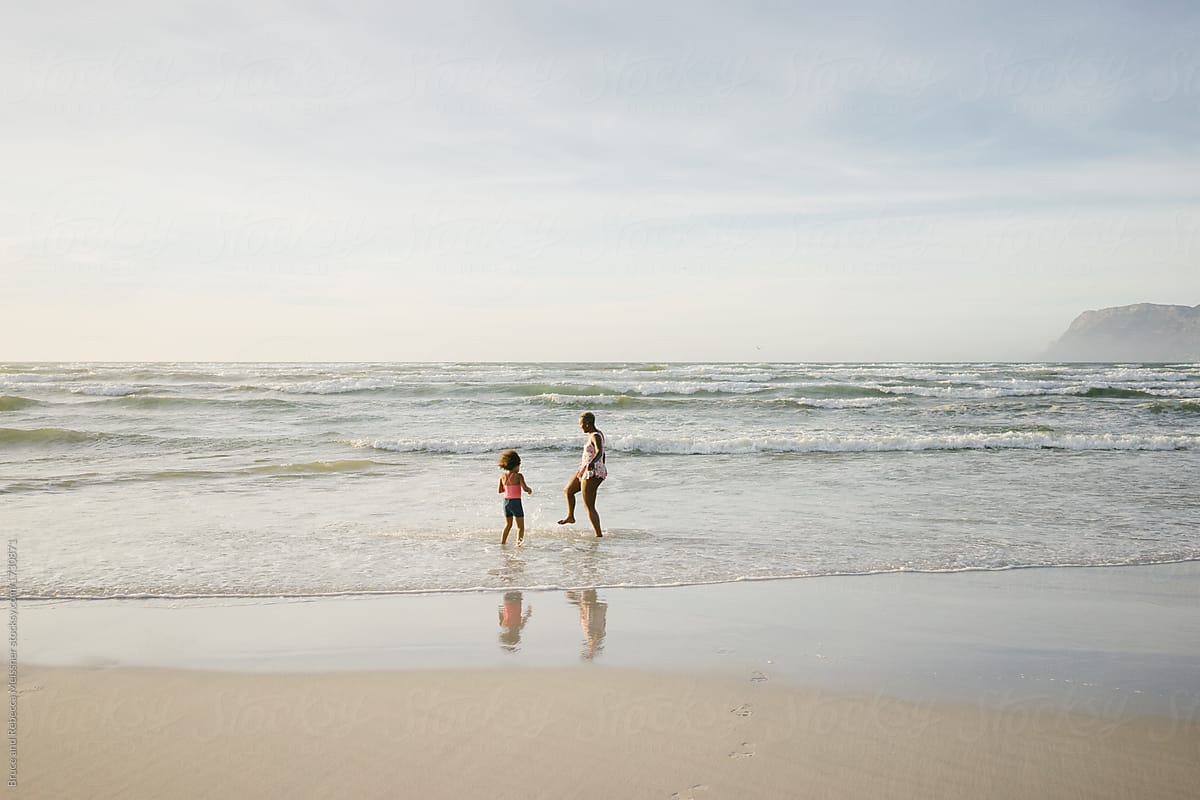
(1029, 683)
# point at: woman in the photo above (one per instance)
(592, 472)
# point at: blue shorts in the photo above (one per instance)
(512, 508)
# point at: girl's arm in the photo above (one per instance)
(500, 490)
(528, 488)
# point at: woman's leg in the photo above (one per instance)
(590, 485)
(570, 491)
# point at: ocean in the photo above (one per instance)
(155, 480)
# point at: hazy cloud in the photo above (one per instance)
(859, 181)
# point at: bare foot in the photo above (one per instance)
(599, 535)
(567, 521)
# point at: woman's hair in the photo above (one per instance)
(588, 417)
(509, 460)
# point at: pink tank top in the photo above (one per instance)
(512, 491)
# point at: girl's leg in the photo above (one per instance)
(520, 529)
(590, 485)
(570, 491)
(507, 528)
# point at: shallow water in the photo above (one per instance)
(303, 479)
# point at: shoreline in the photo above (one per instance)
(365, 593)
(1040, 683)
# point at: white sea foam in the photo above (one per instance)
(466, 446)
(851, 444)
(685, 387)
(844, 402)
(647, 445)
(105, 389)
(1191, 393)
(575, 399)
(334, 386)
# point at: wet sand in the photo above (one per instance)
(1033, 683)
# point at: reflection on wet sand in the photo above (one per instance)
(512, 621)
(593, 617)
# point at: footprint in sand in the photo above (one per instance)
(746, 750)
(744, 710)
(757, 677)
(691, 792)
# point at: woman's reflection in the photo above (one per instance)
(593, 614)
(512, 621)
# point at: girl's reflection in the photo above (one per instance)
(593, 614)
(512, 620)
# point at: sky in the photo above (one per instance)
(567, 181)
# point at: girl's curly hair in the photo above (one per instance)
(510, 460)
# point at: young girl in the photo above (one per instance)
(511, 484)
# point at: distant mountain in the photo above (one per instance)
(1141, 332)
